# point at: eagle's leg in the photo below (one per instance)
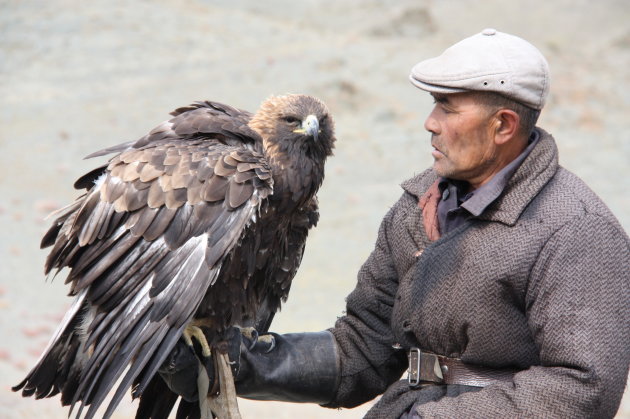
(222, 404)
(221, 397)
(193, 330)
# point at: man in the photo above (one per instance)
(499, 279)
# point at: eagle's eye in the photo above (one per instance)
(291, 120)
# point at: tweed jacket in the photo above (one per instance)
(540, 281)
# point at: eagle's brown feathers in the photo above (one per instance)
(204, 217)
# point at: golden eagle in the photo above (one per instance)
(201, 222)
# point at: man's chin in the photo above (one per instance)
(440, 170)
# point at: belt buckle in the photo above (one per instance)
(413, 373)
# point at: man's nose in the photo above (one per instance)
(431, 124)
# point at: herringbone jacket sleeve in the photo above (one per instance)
(578, 306)
(369, 364)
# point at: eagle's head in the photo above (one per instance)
(295, 123)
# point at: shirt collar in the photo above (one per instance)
(478, 200)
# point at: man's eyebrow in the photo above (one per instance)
(440, 98)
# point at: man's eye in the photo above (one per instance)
(442, 104)
(291, 119)
(444, 108)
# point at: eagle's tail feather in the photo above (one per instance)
(57, 368)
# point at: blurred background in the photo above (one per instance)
(78, 76)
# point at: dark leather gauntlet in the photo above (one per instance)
(295, 367)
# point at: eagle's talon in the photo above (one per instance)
(269, 340)
(249, 332)
(195, 331)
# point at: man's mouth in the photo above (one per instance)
(437, 152)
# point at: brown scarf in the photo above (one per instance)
(429, 205)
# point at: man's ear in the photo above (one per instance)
(507, 126)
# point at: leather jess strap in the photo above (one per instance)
(427, 368)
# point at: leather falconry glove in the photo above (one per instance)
(295, 367)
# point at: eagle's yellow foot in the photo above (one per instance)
(252, 334)
(249, 332)
(192, 330)
(268, 339)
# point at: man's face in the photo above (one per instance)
(462, 137)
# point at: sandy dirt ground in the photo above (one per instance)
(78, 76)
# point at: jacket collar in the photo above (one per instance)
(532, 175)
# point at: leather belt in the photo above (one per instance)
(428, 368)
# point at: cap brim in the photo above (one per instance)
(434, 88)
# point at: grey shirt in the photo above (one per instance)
(456, 206)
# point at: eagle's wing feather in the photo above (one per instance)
(302, 222)
(144, 244)
(285, 268)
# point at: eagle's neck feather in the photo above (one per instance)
(298, 172)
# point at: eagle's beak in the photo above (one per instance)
(310, 126)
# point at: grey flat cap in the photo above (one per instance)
(488, 61)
